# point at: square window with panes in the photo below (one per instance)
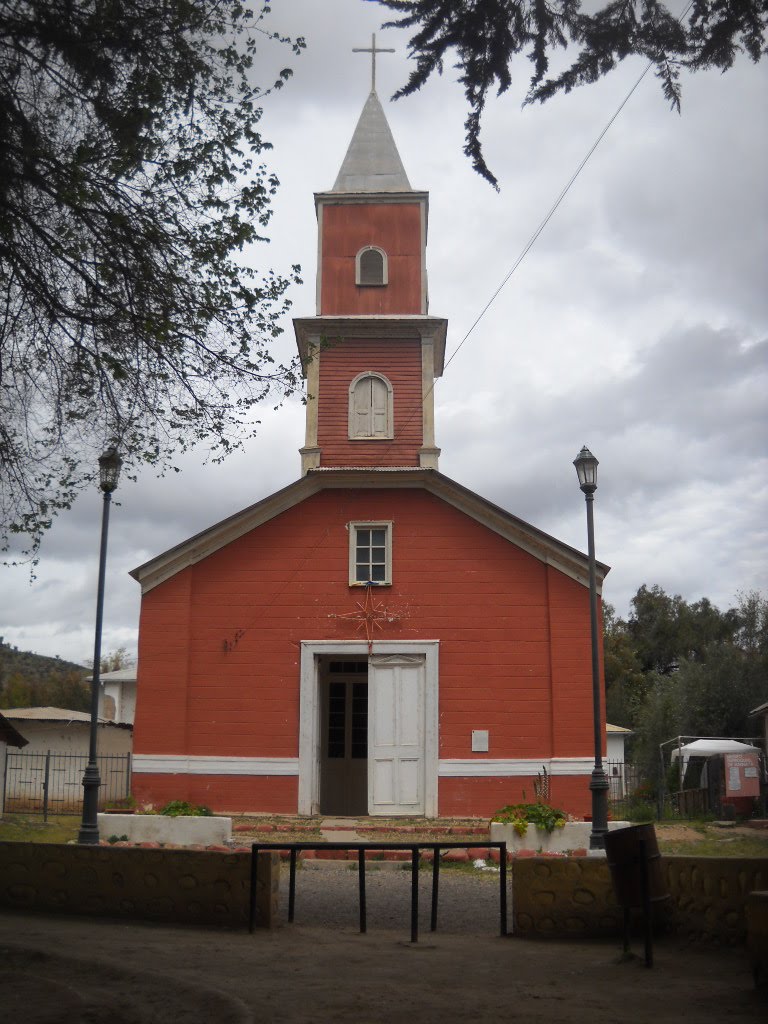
(370, 554)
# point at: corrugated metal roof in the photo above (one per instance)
(53, 715)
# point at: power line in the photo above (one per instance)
(532, 240)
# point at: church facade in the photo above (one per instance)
(375, 638)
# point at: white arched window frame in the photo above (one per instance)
(371, 407)
(371, 267)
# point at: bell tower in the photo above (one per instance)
(371, 353)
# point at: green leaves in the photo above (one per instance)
(129, 185)
(520, 816)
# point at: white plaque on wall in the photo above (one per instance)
(480, 741)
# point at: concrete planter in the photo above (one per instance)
(574, 835)
(157, 828)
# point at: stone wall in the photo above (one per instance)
(554, 898)
(710, 894)
(185, 886)
(566, 898)
(551, 897)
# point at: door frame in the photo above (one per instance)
(310, 711)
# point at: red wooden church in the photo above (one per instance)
(374, 638)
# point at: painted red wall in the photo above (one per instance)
(399, 360)
(514, 634)
(346, 229)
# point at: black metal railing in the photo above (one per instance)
(363, 848)
(627, 791)
(52, 783)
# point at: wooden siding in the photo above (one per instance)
(220, 644)
(571, 661)
(227, 794)
(472, 797)
(393, 227)
(164, 630)
(400, 361)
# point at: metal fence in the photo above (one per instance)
(52, 783)
(626, 788)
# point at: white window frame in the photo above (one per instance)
(381, 524)
(384, 268)
(352, 430)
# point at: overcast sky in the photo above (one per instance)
(636, 325)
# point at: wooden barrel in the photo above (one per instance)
(626, 848)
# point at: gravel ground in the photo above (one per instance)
(327, 895)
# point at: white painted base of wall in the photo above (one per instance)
(574, 835)
(157, 828)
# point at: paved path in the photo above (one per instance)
(339, 830)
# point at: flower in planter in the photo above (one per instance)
(520, 816)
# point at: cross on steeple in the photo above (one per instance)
(372, 49)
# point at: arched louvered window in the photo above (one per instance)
(370, 407)
(371, 266)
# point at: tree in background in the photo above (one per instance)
(114, 660)
(130, 182)
(675, 668)
(626, 684)
(667, 629)
(486, 39)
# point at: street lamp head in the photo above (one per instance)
(586, 468)
(109, 470)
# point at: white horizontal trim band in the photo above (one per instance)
(181, 764)
(482, 767)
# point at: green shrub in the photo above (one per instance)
(520, 816)
(640, 811)
(179, 808)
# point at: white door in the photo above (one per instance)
(396, 716)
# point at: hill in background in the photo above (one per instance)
(34, 680)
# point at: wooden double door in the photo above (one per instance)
(372, 736)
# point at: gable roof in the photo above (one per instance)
(372, 162)
(10, 735)
(56, 715)
(541, 545)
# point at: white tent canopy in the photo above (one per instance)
(710, 747)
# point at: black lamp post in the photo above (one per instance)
(109, 470)
(586, 468)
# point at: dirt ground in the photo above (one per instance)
(90, 971)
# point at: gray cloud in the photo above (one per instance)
(636, 325)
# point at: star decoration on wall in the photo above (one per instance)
(371, 615)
